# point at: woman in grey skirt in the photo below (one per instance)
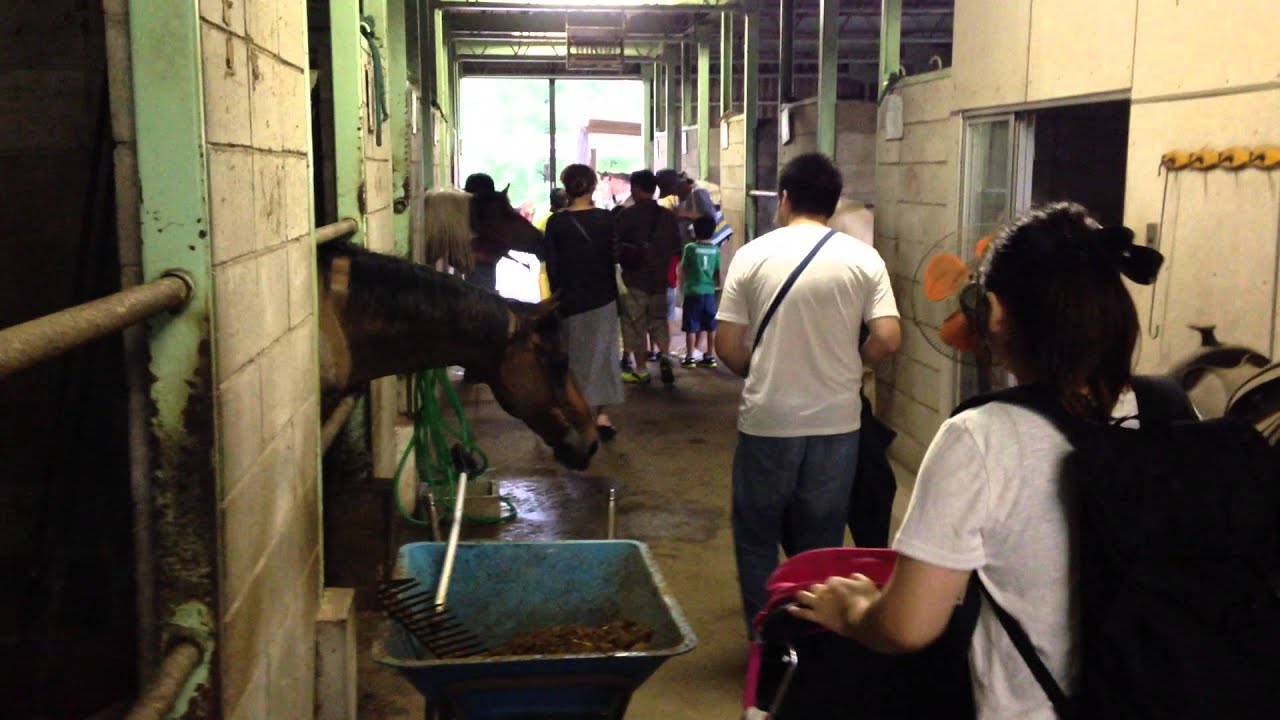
(580, 252)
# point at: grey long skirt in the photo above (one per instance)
(591, 339)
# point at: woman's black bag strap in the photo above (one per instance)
(786, 287)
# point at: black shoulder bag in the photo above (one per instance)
(786, 288)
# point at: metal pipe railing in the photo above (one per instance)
(35, 341)
(336, 230)
(335, 421)
(158, 699)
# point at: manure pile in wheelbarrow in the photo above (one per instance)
(617, 636)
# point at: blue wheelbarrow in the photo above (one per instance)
(501, 589)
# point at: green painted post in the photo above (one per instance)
(704, 108)
(750, 109)
(890, 40)
(348, 119)
(828, 66)
(672, 122)
(726, 63)
(443, 151)
(646, 120)
(169, 125)
(397, 57)
(786, 55)
(686, 87)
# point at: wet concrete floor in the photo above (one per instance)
(670, 465)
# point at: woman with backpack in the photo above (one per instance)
(988, 499)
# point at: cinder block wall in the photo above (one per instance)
(855, 143)
(915, 197)
(733, 193)
(257, 115)
(689, 160)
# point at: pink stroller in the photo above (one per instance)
(799, 671)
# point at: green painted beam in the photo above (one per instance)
(675, 6)
(686, 87)
(890, 40)
(704, 109)
(828, 59)
(750, 111)
(470, 48)
(348, 118)
(646, 118)
(169, 126)
(396, 57)
(672, 122)
(726, 63)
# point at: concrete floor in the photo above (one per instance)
(671, 466)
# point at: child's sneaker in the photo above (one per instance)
(668, 374)
(689, 362)
(632, 377)
(708, 361)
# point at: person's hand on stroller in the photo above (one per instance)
(837, 604)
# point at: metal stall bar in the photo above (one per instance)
(158, 699)
(336, 230)
(686, 87)
(348, 119)
(35, 341)
(828, 60)
(786, 49)
(750, 110)
(704, 108)
(726, 64)
(646, 120)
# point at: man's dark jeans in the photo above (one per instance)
(802, 483)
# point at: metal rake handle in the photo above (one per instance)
(451, 550)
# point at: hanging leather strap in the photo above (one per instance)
(786, 288)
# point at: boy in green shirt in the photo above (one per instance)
(700, 272)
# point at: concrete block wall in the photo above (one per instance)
(689, 160)
(257, 117)
(1188, 90)
(855, 143)
(916, 215)
(733, 184)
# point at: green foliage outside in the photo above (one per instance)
(504, 127)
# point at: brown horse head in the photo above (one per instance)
(532, 382)
(383, 315)
(498, 225)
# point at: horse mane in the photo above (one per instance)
(446, 229)
(399, 292)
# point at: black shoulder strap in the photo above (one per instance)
(1022, 642)
(786, 288)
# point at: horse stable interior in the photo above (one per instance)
(194, 518)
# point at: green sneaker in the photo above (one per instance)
(688, 363)
(707, 361)
(668, 374)
(632, 377)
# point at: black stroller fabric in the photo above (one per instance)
(838, 678)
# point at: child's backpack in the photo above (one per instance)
(1176, 551)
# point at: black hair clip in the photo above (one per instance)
(1139, 263)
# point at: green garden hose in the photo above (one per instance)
(433, 437)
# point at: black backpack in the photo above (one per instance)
(1176, 555)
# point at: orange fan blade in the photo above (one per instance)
(957, 333)
(944, 276)
(983, 246)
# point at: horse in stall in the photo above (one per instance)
(462, 229)
(382, 315)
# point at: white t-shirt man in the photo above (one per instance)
(806, 375)
(987, 498)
